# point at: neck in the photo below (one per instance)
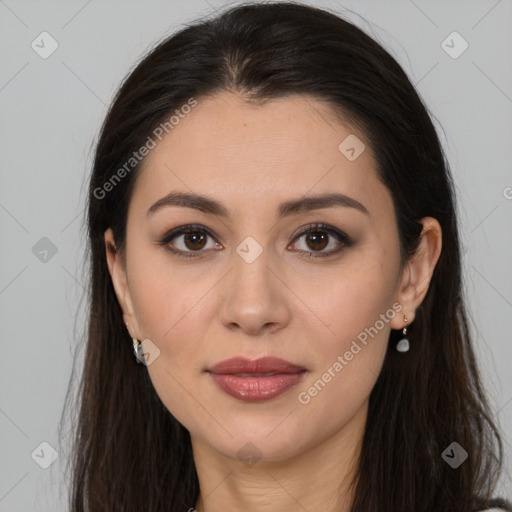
(316, 479)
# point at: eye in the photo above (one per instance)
(319, 236)
(191, 239)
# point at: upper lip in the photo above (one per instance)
(262, 365)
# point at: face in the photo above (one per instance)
(304, 284)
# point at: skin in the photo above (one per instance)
(201, 310)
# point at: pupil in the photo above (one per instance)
(317, 237)
(195, 238)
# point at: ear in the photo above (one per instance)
(117, 270)
(417, 272)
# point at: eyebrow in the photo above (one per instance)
(285, 209)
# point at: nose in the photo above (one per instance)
(255, 299)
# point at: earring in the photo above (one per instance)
(403, 344)
(137, 347)
(137, 350)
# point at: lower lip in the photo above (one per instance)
(256, 389)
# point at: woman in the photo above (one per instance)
(273, 235)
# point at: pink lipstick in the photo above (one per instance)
(258, 380)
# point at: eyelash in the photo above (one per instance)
(344, 239)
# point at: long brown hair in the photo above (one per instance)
(129, 452)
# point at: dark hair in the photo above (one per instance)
(129, 452)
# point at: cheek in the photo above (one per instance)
(356, 309)
(164, 296)
(352, 296)
(348, 361)
(172, 312)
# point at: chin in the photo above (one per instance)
(261, 441)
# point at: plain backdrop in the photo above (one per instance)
(51, 111)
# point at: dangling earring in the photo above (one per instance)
(137, 347)
(137, 350)
(403, 344)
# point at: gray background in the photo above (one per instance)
(51, 111)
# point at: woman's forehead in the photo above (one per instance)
(289, 144)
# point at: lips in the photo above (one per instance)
(246, 367)
(255, 381)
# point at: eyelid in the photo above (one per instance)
(180, 230)
(343, 239)
(324, 227)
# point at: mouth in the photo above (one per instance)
(263, 366)
(258, 380)
(254, 374)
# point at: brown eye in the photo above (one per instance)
(317, 240)
(194, 240)
(318, 237)
(189, 241)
